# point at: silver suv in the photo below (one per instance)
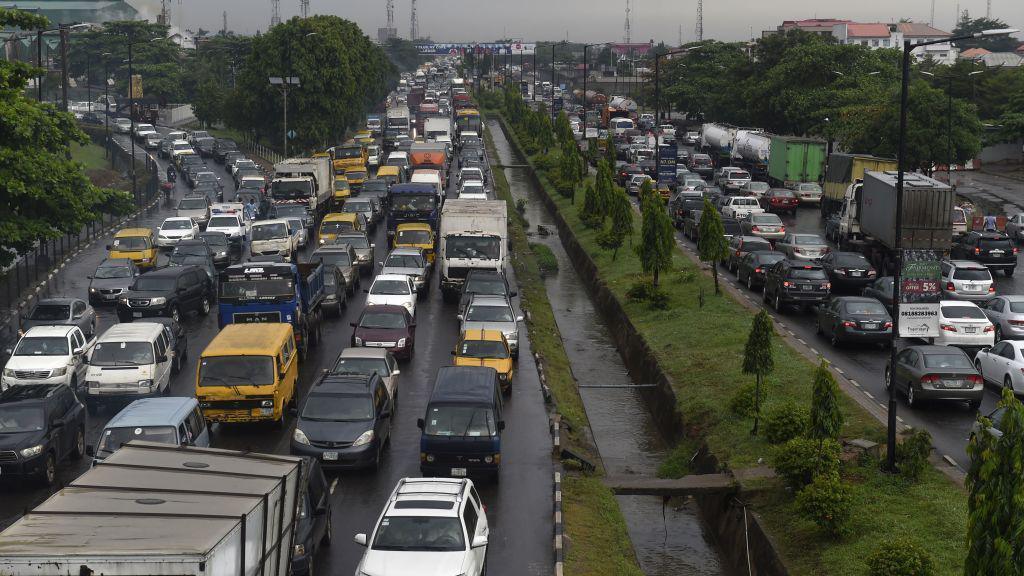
(966, 280)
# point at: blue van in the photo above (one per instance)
(170, 420)
(461, 432)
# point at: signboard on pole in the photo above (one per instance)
(136, 86)
(920, 293)
(667, 161)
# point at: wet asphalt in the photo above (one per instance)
(519, 506)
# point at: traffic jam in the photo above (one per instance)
(354, 308)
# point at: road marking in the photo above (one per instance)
(334, 484)
(869, 394)
(791, 333)
(814, 351)
(949, 459)
(900, 419)
(855, 383)
(800, 340)
(840, 370)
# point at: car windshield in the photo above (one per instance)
(376, 186)
(357, 242)
(962, 312)
(852, 261)
(353, 206)
(20, 419)
(757, 186)
(348, 152)
(1003, 244)
(242, 370)
(218, 240)
(404, 261)
(270, 231)
(739, 175)
(114, 438)
(334, 258)
(176, 225)
(483, 349)
(50, 312)
(336, 226)
(868, 308)
(286, 211)
(413, 202)
(131, 243)
(189, 260)
(122, 353)
(192, 204)
(419, 533)
(224, 222)
(807, 240)
(809, 187)
(769, 259)
(362, 366)
(972, 274)
(390, 287)
(148, 284)
(755, 245)
(190, 250)
(42, 346)
(107, 272)
(939, 360)
(413, 237)
(484, 247)
(484, 286)
(783, 194)
(296, 223)
(285, 190)
(959, 217)
(382, 320)
(459, 421)
(338, 407)
(480, 313)
(340, 185)
(249, 290)
(808, 274)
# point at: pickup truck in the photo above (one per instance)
(48, 355)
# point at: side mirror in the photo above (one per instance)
(89, 277)
(501, 424)
(108, 246)
(90, 451)
(396, 372)
(78, 351)
(458, 316)
(320, 510)
(161, 358)
(386, 413)
(513, 294)
(8, 351)
(372, 246)
(454, 352)
(352, 324)
(293, 411)
(56, 424)
(420, 423)
(360, 539)
(366, 290)
(479, 541)
(519, 318)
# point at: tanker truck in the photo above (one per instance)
(594, 98)
(716, 140)
(751, 150)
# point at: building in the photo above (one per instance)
(1020, 50)
(76, 11)
(819, 26)
(973, 53)
(1001, 60)
(873, 35)
(384, 35)
(916, 33)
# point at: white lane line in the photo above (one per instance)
(334, 484)
(900, 419)
(855, 383)
(949, 459)
(801, 340)
(840, 370)
(814, 351)
(869, 394)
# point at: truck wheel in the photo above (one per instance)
(204, 306)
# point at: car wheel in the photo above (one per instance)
(817, 327)
(48, 475)
(910, 396)
(1008, 383)
(778, 304)
(79, 450)
(328, 533)
(977, 365)
(1008, 271)
(204, 306)
(176, 364)
(888, 380)
(834, 340)
(999, 333)
(176, 314)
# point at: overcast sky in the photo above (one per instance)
(585, 20)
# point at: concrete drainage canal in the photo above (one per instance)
(669, 537)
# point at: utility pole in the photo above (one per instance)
(628, 32)
(39, 63)
(64, 67)
(224, 26)
(988, 10)
(131, 116)
(163, 18)
(931, 19)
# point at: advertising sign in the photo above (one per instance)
(667, 161)
(501, 48)
(920, 293)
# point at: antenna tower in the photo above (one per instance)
(391, 13)
(164, 17)
(275, 12)
(414, 24)
(700, 20)
(680, 34)
(224, 29)
(988, 10)
(628, 35)
(304, 8)
(931, 20)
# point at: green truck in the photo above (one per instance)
(794, 159)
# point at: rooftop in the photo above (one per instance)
(920, 30)
(858, 30)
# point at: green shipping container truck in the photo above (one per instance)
(795, 159)
(843, 170)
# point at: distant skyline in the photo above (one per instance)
(582, 20)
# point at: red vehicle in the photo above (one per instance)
(386, 326)
(779, 200)
(627, 171)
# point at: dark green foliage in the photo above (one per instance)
(744, 402)
(656, 234)
(546, 260)
(912, 454)
(785, 422)
(646, 291)
(590, 213)
(900, 557)
(712, 247)
(799, 460)
(826, 419)
(827, 502)
(758, 359)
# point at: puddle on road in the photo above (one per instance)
(669, 539)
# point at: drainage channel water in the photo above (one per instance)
(669, 538)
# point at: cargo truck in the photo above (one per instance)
(473, 235)
(842, 171)
(153, 508)
(307, 181)
(275, 292)
(868, 217)
(793, 160)
(437, 129)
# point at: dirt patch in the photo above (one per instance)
(108, 179)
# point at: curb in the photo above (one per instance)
(559, 529)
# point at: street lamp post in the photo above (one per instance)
(284, 85)
(106, 101)
(901, 153)
(657, 97)
(585, 73)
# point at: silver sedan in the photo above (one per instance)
(1007, 314)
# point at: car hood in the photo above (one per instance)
(419, 563)
(405, 271)
(36, 363)
(381, 334)
(18, 440)
(399, 300)
(26, 324)
(106, 283)
(505, 327)
(328, 431)
(146, 294)
(176, 233)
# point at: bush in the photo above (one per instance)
(659, 300)
(646, 291)
(742, 403)
(521, 205)
(785, 422)
(912, 454)
(546, 260)
(900, 558)
(545, 162)
(800, 460)
(827, 502)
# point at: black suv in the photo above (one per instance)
(221, 148)
(345, 421)
(789, 282)
(167, 292)
(993, 249)
(40, 426)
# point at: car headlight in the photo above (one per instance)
(322, 241)
(92, 290)
(267, 403)
(158, 301)
(408, 306)
(502, 376)
(145, 383)
(401, 342)
(364, 438)
(92, 384)
(300, 550)
(359, 341)
(143, 259)
(33, 451)
(59, 371)
(222, 253)
(9, 372)
(300, 437)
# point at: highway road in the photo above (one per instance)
(519, 507)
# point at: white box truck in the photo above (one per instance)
(304, 180)
(161, 509)
(473, 234)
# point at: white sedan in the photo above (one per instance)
(174, 229)
(1003, 364)
(230, 224)
(396, 289)
(963, 324)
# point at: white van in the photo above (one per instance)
(272, 237)
(618, 126)
(131, 360)
(425, 176)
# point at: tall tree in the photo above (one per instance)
(621, 213)
(656, 234)
(758, 359)
(826, 417)
(609, 150)
(43, 194)
(967, 26)
(712, 246)
(157, 60)
(995, 498)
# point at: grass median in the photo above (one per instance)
(699, 341)
(598, 539)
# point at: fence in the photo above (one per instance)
(28, 277)
(252, 147)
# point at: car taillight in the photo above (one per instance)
(826, 286)
(758, 271)
(787, 284)
(755, 229)
(974, 379)
(849, 324)
(1016, 250)
(990, 328)
(948, 327)
(930, 378)
(841, 271)
(887, 325)
(950, 287)
(977, 250)
(1016, 322)
(871, 272)
(991, 289)
(738, 253)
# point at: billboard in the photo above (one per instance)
(500, 48)
(920, 293)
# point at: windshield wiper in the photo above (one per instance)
(465, 433)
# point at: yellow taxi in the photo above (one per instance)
(338, 222)
(363, 137)
(486, 348)
(355, 175)
(416, 235)
(390, 174)
(341, 191)
(137, 244)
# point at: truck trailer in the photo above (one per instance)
(793, 160)
(308, 181)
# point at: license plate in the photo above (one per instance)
(136, 314)
(266, 411)
(996, 252)
(330, 456)
(857, 273)
(375, 344)
(807, 287)
(870, 326)
(460, 472)
(953, 383)
(970, 330)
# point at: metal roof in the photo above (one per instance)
(132, 331)
(153, 412)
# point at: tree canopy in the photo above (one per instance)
(967, 25)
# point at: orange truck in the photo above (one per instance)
(429, 156)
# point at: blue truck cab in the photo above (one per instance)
(413, 203)
(274, 292)
(461, 432)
